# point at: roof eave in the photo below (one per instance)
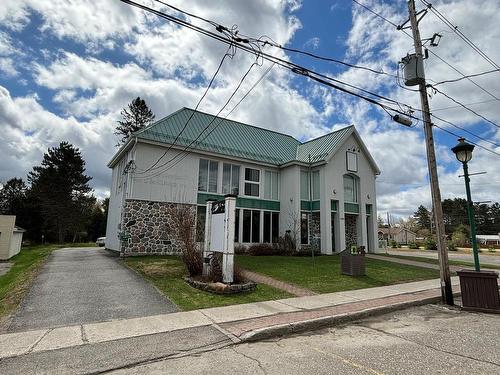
(124, 148)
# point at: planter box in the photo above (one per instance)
(479, 290)
(353, 265)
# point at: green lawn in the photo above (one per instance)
(167, 272)
(15, 283)
(323, 275)
(435, 261)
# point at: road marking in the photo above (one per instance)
(350, 362)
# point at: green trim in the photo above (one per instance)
(351, 208)
(333, 205)
(309, 206)
(368, 209)
(259, 204)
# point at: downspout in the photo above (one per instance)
(125, 194)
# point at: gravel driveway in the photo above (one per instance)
(83, 285)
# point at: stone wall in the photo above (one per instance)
(351, 231)
(151, 228)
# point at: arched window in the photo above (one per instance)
(350, 188)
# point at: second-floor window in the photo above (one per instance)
(252, 182)
(230, 179)
(207, 176)
(350, 189)
(305, 183)
(271, 185)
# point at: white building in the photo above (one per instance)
(11, 237)
(321, 191)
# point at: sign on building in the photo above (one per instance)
(219, 235)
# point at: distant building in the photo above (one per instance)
(11, 237)
(399, 234)
(322, 190)
(488, 239)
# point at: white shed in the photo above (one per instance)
(11, 237)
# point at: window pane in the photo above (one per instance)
(203, 175)
(267, 185)
(235, 180)
(304, 185)
(267, 227)
(252, 174)
(304, 229)
(275, 227)
(212, 177)
(350, 194)
(275, 194)
(255, 226)
(237, 226)
(315, 184)
(226, 178)
(251, 189)
(247, 215)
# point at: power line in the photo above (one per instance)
(468, 104)
(430, 51)
(467, 76)
(272, 43)
(213, 119)
(227, 54)
(468, 140)
(295, 68)
(461, 35)
(240, 44)
(464, 106)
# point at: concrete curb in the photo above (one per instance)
(323, 322)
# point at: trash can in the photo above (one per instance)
(353, 262)
(479, 290)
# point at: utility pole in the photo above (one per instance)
(444, 269)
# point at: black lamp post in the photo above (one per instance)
(463, 152)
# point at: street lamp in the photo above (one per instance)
(463, 152)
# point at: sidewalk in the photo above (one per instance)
(239, 322)
(411, 262)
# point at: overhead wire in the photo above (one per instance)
(318, 77)
(460, 34)
(226, 54)
(467, 76)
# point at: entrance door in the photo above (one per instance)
(333, 231)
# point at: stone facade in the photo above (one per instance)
(150, 228)
(351, 230)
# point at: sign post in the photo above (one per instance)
(219, 235)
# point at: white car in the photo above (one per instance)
(100, 241)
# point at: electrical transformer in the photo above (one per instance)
(413, 68)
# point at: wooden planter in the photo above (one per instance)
(479, 290)
(353, 265)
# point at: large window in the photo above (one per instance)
(252, 182)
(251, 226)
(271, 227)
(315, 185)
(271, 185)
(207, 175)
(350, 189)
(304, 228)
(230, 179)
(304, 185)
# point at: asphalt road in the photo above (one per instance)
(424, 340)
(84, 285)
(483, 257)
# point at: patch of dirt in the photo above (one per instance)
(160, 269)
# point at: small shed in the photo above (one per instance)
(11, 237)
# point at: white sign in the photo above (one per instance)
(217, 233)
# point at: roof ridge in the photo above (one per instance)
(243, 123)
(327, 134)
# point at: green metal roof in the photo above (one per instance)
(235, 139)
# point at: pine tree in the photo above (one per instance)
(136, 117)
(12, 196)
(62, 189)
(423, 217)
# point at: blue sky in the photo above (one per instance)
(67, 69)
